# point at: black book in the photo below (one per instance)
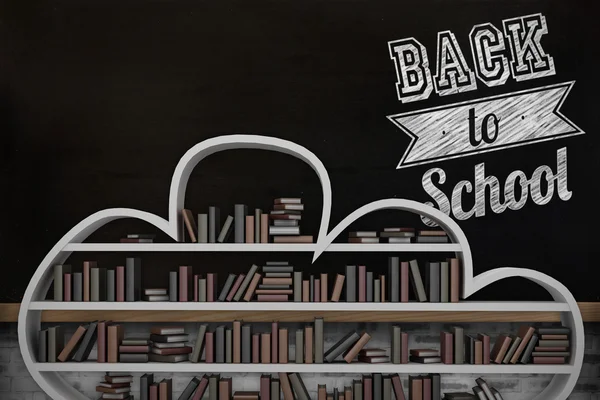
(190, 388)
(554, 331)
(377, 386)
(88, 341)
(425, 360)
(145, 381)
(341, 346)
(133, 279)
(42, 346)
(227, 287)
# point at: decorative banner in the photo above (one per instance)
(488, 124)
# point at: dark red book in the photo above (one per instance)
(317, 291)
(397, 386)
(548, 360)
(67, 296)
(256, 348)
(265, 386)
(272, 297)
(171, 350)
(235, 287)
(101, 345)
(447, 347)
(153, 391)
(201, 388)
(362, 283)
(134, 349)
(485, 340)
(368, 387)
(211, 283)
(120, 283)
(196, 277)
(426, 387)
(274, 342)
(404, 281)
(404, 344)
(209, 347)
(185, 280)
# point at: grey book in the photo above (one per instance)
(227, 287)
(387, 388)
(497, 395)
(214, 223)
(298, 386)
(396, 344)
(269, 286)
(213, 386)
(553, 343)
(299, 346)
(350, 283)
(202, 290)
(433, 281)
(357, 388)
(311, 287)
(554, 331)
(145, 381)
(197, 352)
(278, 274)
(513, 347)
(257, 216)
(56, 342)
(225, 230)
(88, 341)
(239, 213)
(133, 279)
(297, 286)
(484, 386)
(246, 344)
(432, 239)
(341, 346)
(394, 278)
(98, 284)
(444, 282)
(336, 394)
(59, 281)
(78, 286)
(376, 291)
(417, 281)
(110, 285)
(278, 268)
(220, 344)
(459, 344)
(189, 389)
(202, 228)
(228, 346)
(43, 346)
(319, 341)
(377, 386)
(436, 387)
(369, 286)
(469, 349)
(245, 283)
(173, 286)
(529, 349)
(275, 389)
(134, 357)
(480, 394)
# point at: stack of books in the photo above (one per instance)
(425, 356)
(286, 214)
(432, 236)
(134, 350)
(363, 237)
(480, 392)
(169, 344)
(458, 348)
(373, 356)
(276, 283)
(424, 387)
(519, 348)
(398, 235)
(156, 294)
(124, 283)
(115, 386)
(551, 345)
(370, 387)
(138, 238)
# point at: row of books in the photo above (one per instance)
(248, 228)
(124, 283)
(398, 235)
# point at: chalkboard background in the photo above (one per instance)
(100, 99)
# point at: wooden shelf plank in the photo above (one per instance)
(259, 247)
(338, 368)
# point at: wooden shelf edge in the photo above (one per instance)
(9, 312)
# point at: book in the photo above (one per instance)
(257, 217)
(274, 342)
(202, 228)
(214, 223)
(297, 282)
(111, 294)
(245, 282)
(228, 346)
(145, 381)
(199, 394)
(433, 281)
(444, 282)
(337, 288)
(120, 283)
(283, 346)
(425, 360)
(299, 388)
(169, 351)
(112, 377)
(133, 357)
(500, 348)
(77, 294)
(87, 266)
(306, 291)
(415, 387)
(165, 389)
(211, 287)
(134, 349)
(373, 359)
(288, 200)
(432, 239)
(98, 284)
(173, 286)
(225, 291)
(341, 346)
(237, 342)
(368, 387)
(308, 344)
(293, 239)
(167, 330)
(168, 345)
(186, 283)
(485, 340)
(42, 346)
(363, 234)
(133, 279)
(252, 287)
(549, 360)
(256, 348)
(299, 347)
(404, 343)
(525, 333)
(289, 206)
(246, 344)
(497, 395)
(69, 349)
(59, 272)
(169, 338)
(319, 340)
(284, 230)
(417, 281)
(225, 388)
(484, 386)
(516, 341)
(239, 218)
(372, 352)
(189, 389)
(202, 290)
(114, 336)
(447, 347)
(353, 351)
(172, 358)
(87, 342)
(397, 386)
(554, 331)
(479, 393)
(363, 240)
(553, 343)
(459, 344)
(435, 386)
(135, 240)
(226, 229)
(454, 280)
(234, 288)
(220, 344)
(264, 228)
(424, 352)
(350, 280)
(190, 224)
(286, 388)
(265, 387)
(526, 356)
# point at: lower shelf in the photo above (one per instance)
(334, 368)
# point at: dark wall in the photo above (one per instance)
(100, 99)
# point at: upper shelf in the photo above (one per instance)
(261, 247)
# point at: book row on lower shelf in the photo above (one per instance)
(238, 342)
(277, 281)
(290, 386)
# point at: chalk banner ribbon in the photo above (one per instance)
(525, 117)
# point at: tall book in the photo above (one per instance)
(98, 284)
(120, 283)
(209, 347)
(454, 280)
(274, 342)
(377, 386)
(189, 389)
(415, 387)
(211, 287)
(324, 287)
(237, 342)
(341, 346)
(202, 386)
(59, 272)
(357, 389)
(173, 286)
(249, 226)
(78, 286)
(500, 348)
(102, 335)
(394, 278)
(433, 281)
(42, 346)
(87, 342)
(239, 218)
(350, 283)
(319, 340)
(225, 388)
(297, 281)
(55, 343)
(299, 346)
(220, 344)
(265, 348)
(186, 283)
(87, 267)
(308, 344)
(526, 356)
(256, 348)
(264, 228)
(525, 333)
(202, 228)
(404, 279)
(299, 388)
(459, 344)
(145, 381)
(396, 344)
(165, 389)
(133, 279)
(214, 223)
(265, 386)
(283, 346)
(213, 386)
(68, 287)
(362, 283)
(228, 346)
(246, 344)
(444, 281)
(257, 217)
(114, 337)
(397, 386)
(368, 387)
(485, 344)
(436, 387)
(417, 281)
(110, 285)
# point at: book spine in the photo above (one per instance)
(394, 278)
(220, 344)
(202, 290)
(377, 386)
(306, 291)
(67, 287)
(297, 286)
(87, 266)
(454, 280)
(404, 279)
(256, 348)
(110, 285)
(202, 228)
(274, 342)
(308, 344)
(43, 346)
(185, 278)
(265, 387)
(77, 286)
(376, 291)
(434, 282)
(173, 286)
(211, 287)
(357, 347)
(214, 223)
(319, 340)
(252, 287)
(299, 356)
(246, 344)
(396, 344)
(337, 288)
(324, 288)
(239, 218)
(228, 346)
(95, 284)
(404, 351)
(286, 388)
(362, 283)
(237, 342)
(265, 348)
(283, 346)
(444, 282)
(264, 228)
(459, 345)
(257, 217)
(387, 388)
(350, 283)
(383, 287)
(196, 288)
(369, 287)
(312, 288)
(213, 387)
(133, 281)
(249, 225)
(101, 344)
(275, 390)
(209, 347)
(317, 290)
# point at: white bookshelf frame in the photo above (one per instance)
(48, 377)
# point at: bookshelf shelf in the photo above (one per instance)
(258, 247)
(335, 368)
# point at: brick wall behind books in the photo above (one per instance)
(17, 384)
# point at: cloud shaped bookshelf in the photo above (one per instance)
(47, 375)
